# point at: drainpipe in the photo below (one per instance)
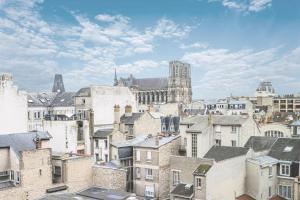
(91, 128)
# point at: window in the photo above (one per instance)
(149, 155)
(270, 191)
(285, 191)
(138, 172)
(138, 155)
(106, 145)
(194, 145)
(233, 143)
(270, 171)
(97, 144)
(176, 178)
(97, 157)
(233, 129)
(218, 142)
(284, 169)
(149, 174)
(40, 172)
(106, 158)
(198, 182)
(149, 191)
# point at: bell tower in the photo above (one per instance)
(179, 84)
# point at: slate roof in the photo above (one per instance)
(220, 153)
(201, 125)
(228, 119)
(103, 133)
(280, 152)
(181, 190)
(40, 99)
(19, 142)
(92, 193)
(64, 99)
(191, 120)
(258, 143)
(146, 83)
(84, 92)
(151, 142)
(125, 152)
(129, 120)
(170, 120)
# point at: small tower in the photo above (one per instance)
(116, 78)
(58, 85)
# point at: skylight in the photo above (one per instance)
(30, 101)
(288, 149)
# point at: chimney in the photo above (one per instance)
(58, 85)
(117, 116)
(157, 139)
(128, 111)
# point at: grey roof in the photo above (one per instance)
(128, 143)
(103, 133)
(200, 126)
(296, 123)
(130, 119)
(228, 119)
(265, 86)
(151, 142)
(183, 190)
(84, 92)
(219, 153)
(92, 193)
(258, 143)
(146, 83)
(264, 161)
(64, 99)
(280, 151)
(125, 152)
(22, 141)
(43, 99)
(191, 120)
(170, 121)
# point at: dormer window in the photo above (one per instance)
(285, 169)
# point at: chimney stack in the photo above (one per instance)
(128, 111)
(116, 116)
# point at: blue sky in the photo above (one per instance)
(231, 44)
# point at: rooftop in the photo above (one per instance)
(286, 149)
(202, 169)
(258, 143)
(220, 153)
(130, 119)
(244, 197)
(184, 190)
(103, 133)
(19, 142)
(264, 161)
(92, 193)
(151, 142)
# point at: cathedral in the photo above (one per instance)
(177, 88)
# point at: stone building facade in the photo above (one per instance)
(177, 88)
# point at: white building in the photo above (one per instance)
(13, 107)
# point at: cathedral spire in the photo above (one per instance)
(116, 78)
(58, 85)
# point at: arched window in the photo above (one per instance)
(273, 133)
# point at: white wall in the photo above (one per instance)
(105, 97)
(226, 179)
(13, 108)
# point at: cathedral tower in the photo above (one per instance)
(58, 85)
(179, 84)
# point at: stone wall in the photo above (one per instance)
(109, 178)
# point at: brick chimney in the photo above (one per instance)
(128, 111)
(116, 114)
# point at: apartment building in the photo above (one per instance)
(223, 168)
(286, 104)
(151, 162)
(223, 130)
(25, 165)
(286, 151)
(13, 107)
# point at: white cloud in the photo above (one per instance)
(85, 52)
(196, 45)
(226, 71)
(245, 6)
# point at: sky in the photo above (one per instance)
(231, 45)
